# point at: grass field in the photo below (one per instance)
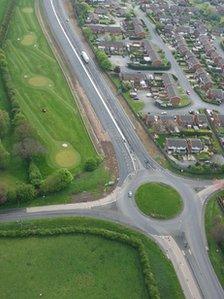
(3, 5)
(158, 200)
(78, 266)
(216, 255)
(81, 264)
(41, 85)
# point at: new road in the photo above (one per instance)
(191, 261)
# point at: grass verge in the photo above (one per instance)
(158, 200)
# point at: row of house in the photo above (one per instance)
(211, 51)
(180, 122)
(171, 89)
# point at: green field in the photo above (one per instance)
(79, 266)
(216, 255)
(158, 200)
(87, 266)
(41, 85)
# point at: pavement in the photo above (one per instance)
(182, 238)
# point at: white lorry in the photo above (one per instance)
(85, 57)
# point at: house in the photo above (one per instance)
(201, 121)
(216, 94)
(101, 29)
(134, 78)
(152, 53)
(203, 78)
(112, 47)
(218, 120)
(195, 145)
(170, 88)
(176, 146)
(185, 121)
(193, 63)
(139, 31)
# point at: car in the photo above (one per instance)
(188, 92)
(163, 113)
(130, 194)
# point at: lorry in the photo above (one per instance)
(85, 57)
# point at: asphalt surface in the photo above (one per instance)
(186, 229)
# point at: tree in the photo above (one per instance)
(103, 60)
(28, 148)
(4, 123)
(23, 130)
(57, 181)
(91, 165)
(22, 193)
(4, 156)
(3, 196)
(35, 176)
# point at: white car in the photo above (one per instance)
(130, 194)
(163, 113)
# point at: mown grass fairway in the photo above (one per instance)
(42, 86)
(158, 200)
(99, 258)
(216, 255)
(75, 266)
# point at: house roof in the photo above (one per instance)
(176, 142)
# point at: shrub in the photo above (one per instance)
(103, 60)
(4, 157)
(3, 195)
(57, 181)
(35, 176)
(91, 164)
(4, 123)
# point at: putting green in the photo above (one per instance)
(67, 157)
(29, 39)
(27, 9)
(39, 81)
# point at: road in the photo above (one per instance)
(192, 265)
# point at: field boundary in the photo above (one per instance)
(149, 278)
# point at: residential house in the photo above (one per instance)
(203, 78)
(170, 87)
(185, 121)
(176, 146)
(195, 145)
(152, 53)
(112, 47)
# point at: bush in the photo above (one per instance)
(149, 67)
(57, 181)
(35, 176)
(103, 60)
(91, 164)
(22, 193)
(4, 157)
(4, 123)
(3, 195)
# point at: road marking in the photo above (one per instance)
(88, 75)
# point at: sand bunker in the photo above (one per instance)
(39, 81)
(27, 9)
(29, 39)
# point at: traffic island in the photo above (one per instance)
(158, 200)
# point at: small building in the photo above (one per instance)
(176, 145)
